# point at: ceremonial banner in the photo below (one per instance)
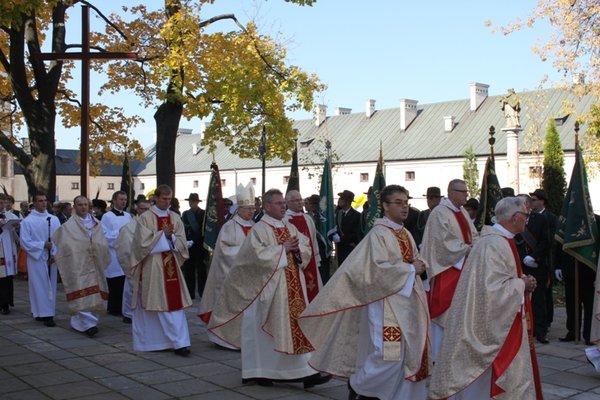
(490, 195)
(214, 217)
(127, 183)
(375, 209)
(294, 181)
(327, 220)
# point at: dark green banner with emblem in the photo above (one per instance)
(577, 230)
(214, 216)
(490, 195)
(327, 221)
(294, 181)
(375, 210)
(127, 183)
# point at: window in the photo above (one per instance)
(111, 186)
(74, 185)
(364, 177)
(195, 184)
(409, 176)
(253, 180)
(535, 172)
(4, 166)
(223, 182)
(286, 179)
(142, 186)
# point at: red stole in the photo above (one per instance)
(296, 302)
(310, 272)
(511, 345)
(173, 287)
(445, 283)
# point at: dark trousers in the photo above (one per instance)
(6, 292)
(538, 300)
(194, 270)
(115, 294)
(587, 277)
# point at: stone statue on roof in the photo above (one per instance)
(511, 105)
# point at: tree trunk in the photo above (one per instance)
(167, 119)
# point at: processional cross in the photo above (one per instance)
(85, 56)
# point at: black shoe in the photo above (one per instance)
(542, 339)
(126, 320)
(5, 310)
(183, 351)
(569, 337)
(259, 381)
(91, 332)
(316, 379)
(352, 395)
(39, 319)
(49, 321)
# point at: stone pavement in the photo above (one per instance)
(37, 362)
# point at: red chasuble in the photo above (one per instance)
(310, 272)
(172, 283)
(296, 302)
(445, 283)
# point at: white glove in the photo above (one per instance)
(190, 243)
(530, 262)
(336, 238)
(558, 274)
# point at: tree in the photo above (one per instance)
(470, 172)
(574, 49)
(36, 90)
(553, 178)
(238, 78)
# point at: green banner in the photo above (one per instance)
(127, 183)
(294, 181)
(490, 195)
(375, 210)
(214, 216)
(577, 229)
(327, 223)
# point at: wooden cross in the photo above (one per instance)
(85, 56)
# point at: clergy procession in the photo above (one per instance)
(453, 317)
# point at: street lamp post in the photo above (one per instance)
(263, 154)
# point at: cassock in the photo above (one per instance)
(8, 259)
(449, 233)
(123, 249)
(305, 224)
(487, 350)
(371, 322)
(112, 222)
(261, 301)
(230, 239)
(35, 231)
(159, 291)
(81, 257)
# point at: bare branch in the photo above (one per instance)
(22, 158)
(101, 15)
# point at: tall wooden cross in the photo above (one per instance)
(85, 56)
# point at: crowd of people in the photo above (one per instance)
(421, 305)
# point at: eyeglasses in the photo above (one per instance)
(398, 202)
(460, 191)
(522, 213)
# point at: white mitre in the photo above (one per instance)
(245, 195)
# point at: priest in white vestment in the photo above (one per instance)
(36, 233)
(81, 257)
(370, 323)
(448, 237)
(9, 239)
(488, 351)
(160, 294)
(228, 244)
(112, 222)
(262, 299)
(305, 224)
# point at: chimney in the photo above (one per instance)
(343, 111)
(449, 123)
(320, 114)
(194, 149)
(370, 109)
(479, 92)
(408, 112)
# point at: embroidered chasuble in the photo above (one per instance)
(82, 256)
(157, 276)
(229, 241)
(378, 270)
(260, 263)
(487, 327)
(311, 272)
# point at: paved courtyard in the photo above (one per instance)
(37, 362)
